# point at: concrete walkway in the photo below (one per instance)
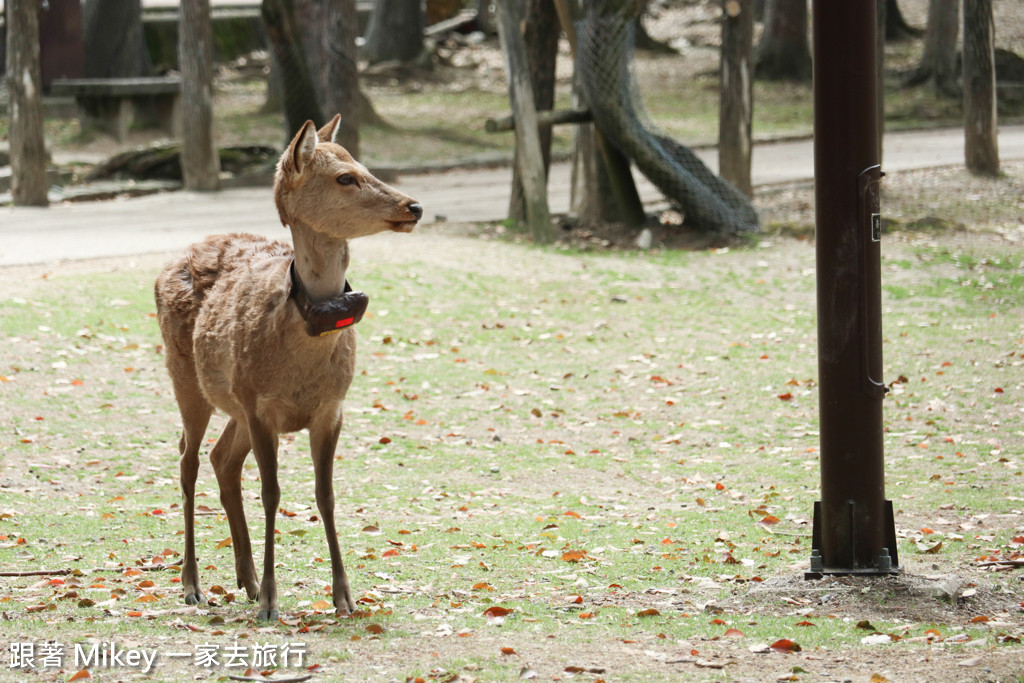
(170, 221)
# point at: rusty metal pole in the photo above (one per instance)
(854, 531)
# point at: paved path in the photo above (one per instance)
(170, 221)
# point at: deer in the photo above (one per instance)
(263, 332)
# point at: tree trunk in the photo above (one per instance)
(340, 73)
(938, 63)
(981, 147)
(783, 53)
(395, 32)
(297, 88)
(708, 203)
(736, 103)
(541, 33)
(896, 27)
(24, 83)
(200, 165)
(603, 190)
(114, 43)
(485, 16)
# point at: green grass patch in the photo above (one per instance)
(619, 451)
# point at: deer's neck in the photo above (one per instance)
(321, 262)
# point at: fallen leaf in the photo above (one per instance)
(785, 645)
(81, 675)
(508, 651)
(649, 612)
(573, 555)
(733, 633)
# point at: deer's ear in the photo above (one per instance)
(303, 145)
(329, 133)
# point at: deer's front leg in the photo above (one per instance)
(323, 442)
(264, 447)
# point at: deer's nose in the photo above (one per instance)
(416, 209)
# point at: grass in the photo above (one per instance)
(631, 480)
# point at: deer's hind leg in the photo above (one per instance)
(227, 457)
(195, 417)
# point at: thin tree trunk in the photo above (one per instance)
(896, 27)
(113, 40)
(981, 147)
(200, 165)
(297, 88)
(531, 162)
(783, 53)
(395, 31)
(540, 34)
(938, 62)
(340, 74)
(736, 104)
(24, 82)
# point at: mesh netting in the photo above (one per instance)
(605, 59)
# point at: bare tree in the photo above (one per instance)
(114, 43)
(981, 147)
(736, 103)
(395, 31)
(200, 165)
(938, 62)
(783, 52)
(24, 82)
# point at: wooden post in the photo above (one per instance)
(736, 103)
(24, 82)
(528, 151)
(200, 164)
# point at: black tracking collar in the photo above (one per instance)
(329, 316)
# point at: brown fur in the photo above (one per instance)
(236, 342)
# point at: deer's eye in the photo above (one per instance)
(347, 179)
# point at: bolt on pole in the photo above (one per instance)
(854, 530)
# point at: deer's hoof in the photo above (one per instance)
(345, 605)
(195, 597)
(252, 591)
(266, 614)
